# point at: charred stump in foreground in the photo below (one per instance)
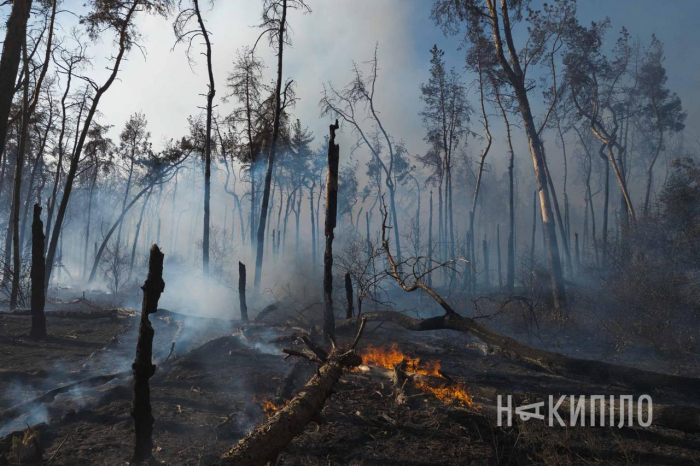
(38, 299)
(143, 367)
(241, 291)
(331, 215)
(349, 296)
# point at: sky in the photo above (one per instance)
(161, 83)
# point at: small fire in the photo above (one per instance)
(268, 407)
(456, 393)
(388, 358)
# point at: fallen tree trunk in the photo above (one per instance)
(49, 396)
(266, 310)
(83, 315)
(501, 345)
(266, 441)
(512, 349)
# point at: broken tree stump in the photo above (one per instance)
(265, 442)
(241, 291)
(331, 215)
(143, 367)
(38, 299)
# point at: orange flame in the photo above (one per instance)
(388, 358)
(456, 393)
(268, 407)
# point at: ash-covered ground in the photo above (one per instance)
(217, 379)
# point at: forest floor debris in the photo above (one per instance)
(205, 400)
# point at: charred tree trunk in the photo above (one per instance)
(87, 224)
(241, 291)
(37, 275)
(143, 367)
(313, 226)
(498, 250)
(487, 273)
(578, 255)
(430, 240)
(207, 147)
(273, 151)
(17, 191)
(349, 296)
(331, 214)
(15, 35)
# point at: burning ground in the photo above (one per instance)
(417, 398)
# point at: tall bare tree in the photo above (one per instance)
(490, 24)
(344, 105)
(274, 24)
(119, 18)
(445, 116)
(184, 34)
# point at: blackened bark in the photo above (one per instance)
(578, 255)
(498, 250)
(37, 275)
(143, 367)
(487, 274)
(331, 214)
(349, 296)
(17, 188)
(9, 64)
(207, 149)
(241, 291)
(273, 151)
(430, 240)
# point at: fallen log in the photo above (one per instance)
(598, 371)
(88, 315)
(501, 345)
(265, 442)
(266, 310)
(49, 396)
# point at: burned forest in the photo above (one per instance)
(334, 232)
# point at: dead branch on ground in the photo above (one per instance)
(265, 442)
